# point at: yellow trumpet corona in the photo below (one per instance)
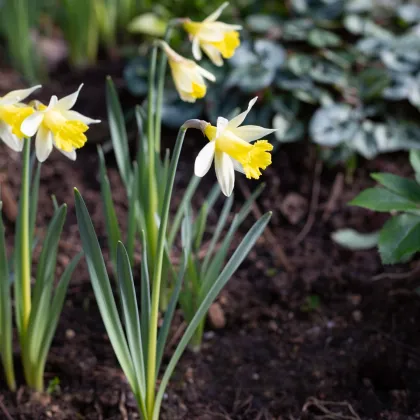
(217, 39)
(57, 125)
(12, 113)
(188, 76)
(230, 147)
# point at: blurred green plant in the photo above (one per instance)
(399, 238)
(17, 19)
(346, 73)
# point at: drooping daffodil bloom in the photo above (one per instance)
(188, 76)
(230, 147)
(57, 125)
(217, 39)
(12, 114)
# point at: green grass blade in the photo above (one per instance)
(200, 226)
(41, 299)
(118, 132)
(186, 199)
(169, 314)
(247, 206)
(132, 319)
(111, 221)
(55, 312)
(216, 235)
(102, 289)
(145, 296)
(235, 261)
(6, 351)
(132, 206)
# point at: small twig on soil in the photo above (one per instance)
(397, 276)
(4, 410)
(327, 414)
(268, 234)
(177, 334)
(316, 189)
(335, 194)
(122, 407)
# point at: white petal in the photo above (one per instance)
(213, 53)
(52, 103)
(71, 155)
(252, 132)
(196, 48)
(43, 143)
(206, 73)
(66, 103)
(222, 123)
(210, 32)
(225, 172)
(74, 115)
(216, 14)
(31, 124)
(17, 95)
(9, 138)
(237, 166)
(204, 159)
(239, 119)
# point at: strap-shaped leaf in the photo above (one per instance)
(235, 261)
(118, 131)
(111, 220)
(404, 187)
(132, 206)
(132, 320)
(216, 235)
(54, 313)
(381, 199)
(102, 289)
(6, 351)
(41, 300)
(186, 200)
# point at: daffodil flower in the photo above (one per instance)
(57, 125)
(217, 39)
(231, 149)
(188, 76)
(12, 114)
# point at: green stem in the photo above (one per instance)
(25, 259)
(25, 251)
(161, 85)
(197, 338)
(152, 187)
(157, 275)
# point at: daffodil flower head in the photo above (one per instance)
(217, 39)
(230, 147)
(188, 76)
(57, 125)
(12, 114)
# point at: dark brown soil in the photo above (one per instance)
(335, 337)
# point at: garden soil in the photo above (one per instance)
(320, 332)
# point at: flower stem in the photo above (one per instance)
(157, 274)
(24, 238)
(161, 84)
(152, 187)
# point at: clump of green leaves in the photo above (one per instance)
(399, 238)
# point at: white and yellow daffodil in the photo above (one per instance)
(12, 114)
(217, 39)
(57, 125)
(231, 149)
(188, 76)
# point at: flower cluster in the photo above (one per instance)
(217, 39)
(55, 125)
(229, 144)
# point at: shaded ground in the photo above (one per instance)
(297, 344)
